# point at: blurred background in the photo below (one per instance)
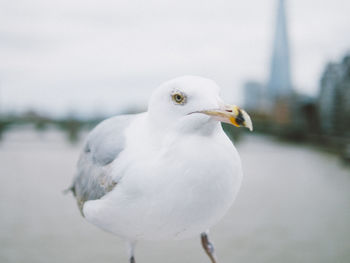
(67, 65)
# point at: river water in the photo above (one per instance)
(294, 206)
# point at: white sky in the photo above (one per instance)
(103, 56)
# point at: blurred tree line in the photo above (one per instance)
(72, 126)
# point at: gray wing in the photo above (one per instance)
(103, 145)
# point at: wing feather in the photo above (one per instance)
(103, 145)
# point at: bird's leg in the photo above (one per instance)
(208, 247)
(131, 248)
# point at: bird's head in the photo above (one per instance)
(195, 100)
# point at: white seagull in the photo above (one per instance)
(168, 173)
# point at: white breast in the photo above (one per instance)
(164, 196)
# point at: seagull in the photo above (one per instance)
(168, 173)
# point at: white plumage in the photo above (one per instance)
(168, 173)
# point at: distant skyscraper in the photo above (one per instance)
(279, 84)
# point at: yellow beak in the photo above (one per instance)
(231, 114)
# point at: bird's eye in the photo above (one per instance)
(179, 97)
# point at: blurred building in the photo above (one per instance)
(278, 90)
(254, 95)
(334, 99)
(273, 104)
(327, 97)
(278, 109)
(279, 84)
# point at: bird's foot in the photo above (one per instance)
(208, 247)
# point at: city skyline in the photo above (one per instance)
(100, 56)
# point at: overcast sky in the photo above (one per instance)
(103, 56)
